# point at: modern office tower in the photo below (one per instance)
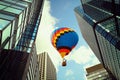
(47, 69)
(18, 65)
(19, 22)
(99, 22)
(97, 72)
(32, 69)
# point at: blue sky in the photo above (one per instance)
(60, 13)
(63, 10)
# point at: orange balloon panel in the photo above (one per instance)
(64, 52)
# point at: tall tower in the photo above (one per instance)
(47, 69)
(19, 22)
(99, 24)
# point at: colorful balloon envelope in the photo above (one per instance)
(64, 40)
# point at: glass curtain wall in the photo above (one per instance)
(104, 16)
(14, 14)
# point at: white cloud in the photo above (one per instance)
(43, 42)
(83, 55)
(69, 72)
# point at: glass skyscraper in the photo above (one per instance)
(19, 22)
(99, 22)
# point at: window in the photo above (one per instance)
(12, 10)
(20, 19)
(6, 33)
(6, 16)
(28, 76)
(4, 3)
(7, 45)
(23, 3)
(28, 0)
(2, 7)
(3, 23)
(18, 33)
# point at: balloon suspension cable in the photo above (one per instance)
(64, 59)
(64, 62)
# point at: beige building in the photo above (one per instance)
(46, 68)
(97, 72)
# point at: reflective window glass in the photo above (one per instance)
(6, 47)
(20, 2)
(18, 33)
(23, 3)
(16, 43)
(24, 16)
(12, 33)
(17, 7)
(28, 75)
(6, 33)
(13, 10)
(20, 19)
(11, 1)
(28, 0)
(28, 50)
(6, 16)
(4, 3)
(13, 25)
(22, 27)
(3, 23)
(11, 5)
(1, 7)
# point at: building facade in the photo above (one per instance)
(97, 72)
(99, 24)
(19, 23)
(19, 65)
(32, 70)
(47, 69)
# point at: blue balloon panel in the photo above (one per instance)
(68, 39)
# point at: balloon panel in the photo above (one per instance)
(57, 34)
(64, 40)
(68, 39)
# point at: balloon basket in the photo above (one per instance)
(64, 62)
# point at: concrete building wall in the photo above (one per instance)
(47, 70)
(88, 34)
(97, 72)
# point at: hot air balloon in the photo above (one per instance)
(64, 40)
